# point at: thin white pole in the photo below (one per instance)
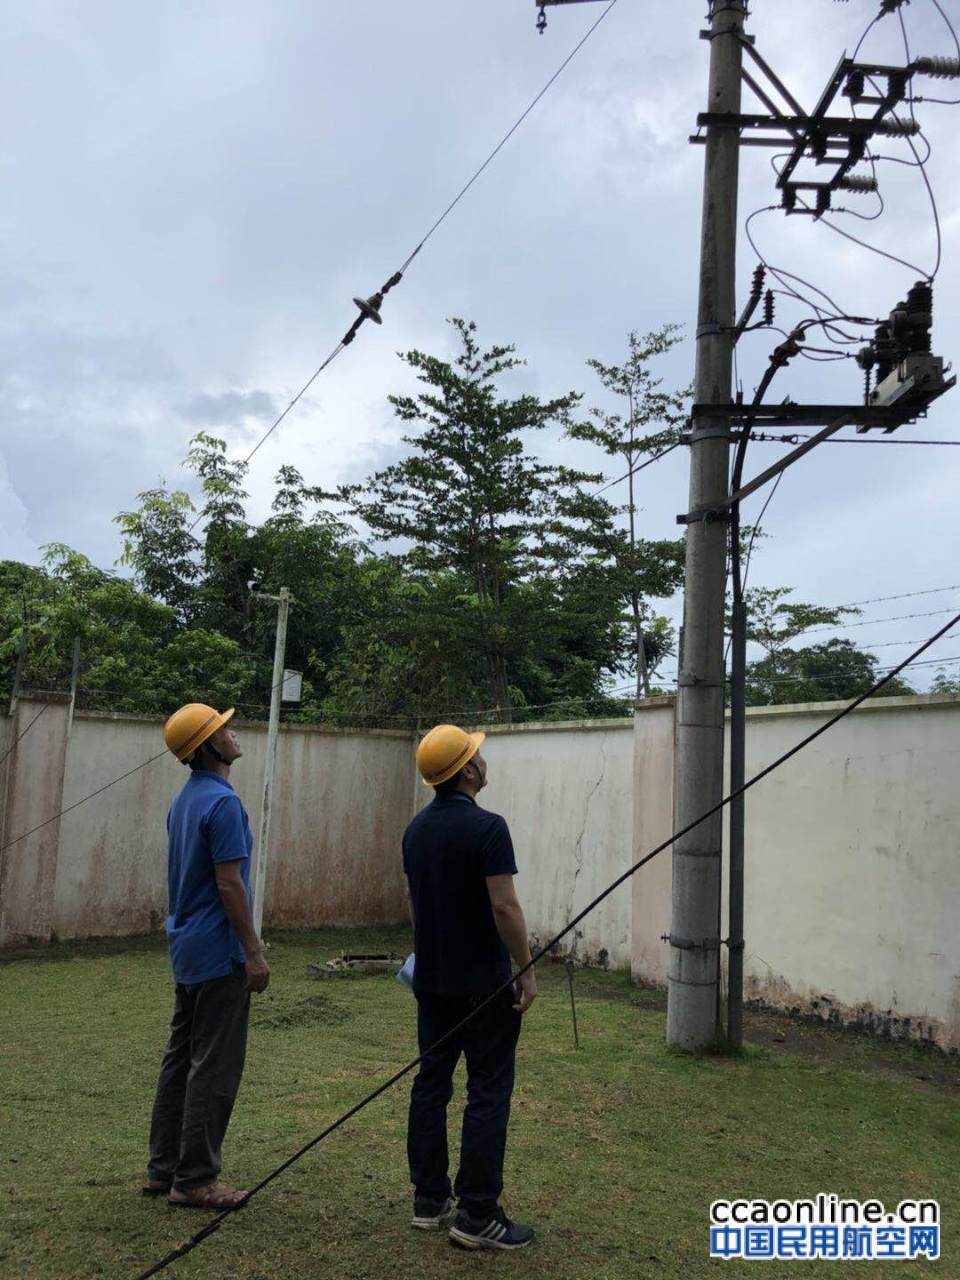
(273, 727)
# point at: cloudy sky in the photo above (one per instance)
(194, 193)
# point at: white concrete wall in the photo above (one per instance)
(852, 860)
(652, 886)
(30, 805)
(566, 793)
(341, 801)
(853, 866)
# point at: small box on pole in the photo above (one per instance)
(291, 689)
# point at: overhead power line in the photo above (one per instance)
(904, 595)
(869, 622)
(373, 311)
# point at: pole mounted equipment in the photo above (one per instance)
(542, 11)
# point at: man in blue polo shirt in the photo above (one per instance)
(217, 962)
(460, 865)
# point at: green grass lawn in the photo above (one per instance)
(615, 1152)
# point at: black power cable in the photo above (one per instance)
(214, 1225)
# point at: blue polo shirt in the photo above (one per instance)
(206, 824)
(449, 849)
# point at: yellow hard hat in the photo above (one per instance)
(190, 726)
(444, 751)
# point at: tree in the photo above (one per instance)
(826, 671)
(206, 577)
(159, 546)
(943, 683)
(648, 426)
(134, 656)
(471, 501)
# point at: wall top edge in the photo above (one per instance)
(915, 701)
(130, 717)
(558, 726)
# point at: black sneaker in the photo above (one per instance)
(428, 1214)
(497, 1232)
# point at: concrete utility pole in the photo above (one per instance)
(273, 729)
(692, 1009)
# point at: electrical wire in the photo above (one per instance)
(839, 676)
(756, 527)
(794, 438)
(214, 1225)
(905, 595)
(921, 165)
(510, 132)
(636, 470)
(444, 215)
(911, 266)
(14, 746)
(781, 274)
(78, 803)
(869, 622)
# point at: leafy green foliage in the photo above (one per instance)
(648, 425)
(826, 671)
(134, 656)
(944, 683)
(507, 588)
(496, 541)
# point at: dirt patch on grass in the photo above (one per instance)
(316, 1009)
(853, 1050)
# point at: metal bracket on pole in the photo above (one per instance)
(711, 516)
(794, 456)
(705, 433)
(689, 944)
(741, 35)
(687, 680)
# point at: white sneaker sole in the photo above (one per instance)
(431, 1224)
(464, 1241)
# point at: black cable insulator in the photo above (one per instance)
(919, 317)
(769, 304)
(896, 86)
(855, 85)
(885, 348)
(759, 275)
(351, 333)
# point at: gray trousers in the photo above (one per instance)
(199, 1078)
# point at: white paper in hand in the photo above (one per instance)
(405, 975)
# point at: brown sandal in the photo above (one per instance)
(214, 1195)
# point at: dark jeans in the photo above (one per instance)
(199, 1078)
(488, 1042)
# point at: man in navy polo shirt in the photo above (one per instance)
(217, 962)
(460, 865)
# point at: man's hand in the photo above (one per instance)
(526, 991)
(258, 971)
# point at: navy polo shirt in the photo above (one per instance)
(206, 824)
(449, 849)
